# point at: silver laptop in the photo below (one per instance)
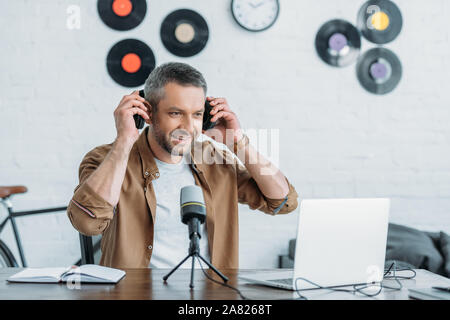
(340, 242)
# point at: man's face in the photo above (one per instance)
(179, 118)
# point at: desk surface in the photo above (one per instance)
(142, 284)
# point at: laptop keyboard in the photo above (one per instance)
(282, 281)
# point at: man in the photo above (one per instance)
(129, 190)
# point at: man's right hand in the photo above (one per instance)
(123, 115)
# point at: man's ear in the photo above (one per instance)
(149, 112)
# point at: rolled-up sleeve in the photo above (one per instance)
(250, 194)
(88, 212)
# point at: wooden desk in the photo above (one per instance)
(141, 284)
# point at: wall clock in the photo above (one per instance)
(255, 15)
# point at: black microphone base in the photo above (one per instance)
(194, 254)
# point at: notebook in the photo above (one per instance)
(88, 273)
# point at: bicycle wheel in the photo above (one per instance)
(6, 257)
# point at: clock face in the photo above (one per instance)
(255, 15)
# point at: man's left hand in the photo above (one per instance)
(226, 120)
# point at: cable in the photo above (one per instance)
(318, 287)
(227, 285)
(359, 288)
(221, 283)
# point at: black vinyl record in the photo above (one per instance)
(338, 43)
(184, 33)
(379, 70)
(122, 14)
(129, 62)
(380, 21)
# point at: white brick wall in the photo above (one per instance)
(337, 140)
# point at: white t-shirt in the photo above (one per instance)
(171, 236)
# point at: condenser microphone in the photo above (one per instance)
(193, 213)
(193, 209)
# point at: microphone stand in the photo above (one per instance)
(194, 252)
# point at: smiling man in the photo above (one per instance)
(129, 190)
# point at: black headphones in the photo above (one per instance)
(207, 124)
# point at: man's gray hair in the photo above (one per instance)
(180, 73)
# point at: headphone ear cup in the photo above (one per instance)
(207, 124)
(138, 121)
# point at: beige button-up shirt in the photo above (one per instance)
(127, 229)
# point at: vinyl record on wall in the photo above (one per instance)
(122, 14)
(379, 70)
(338, 43)
(184, 33)
(129, 62)
(380, 21)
